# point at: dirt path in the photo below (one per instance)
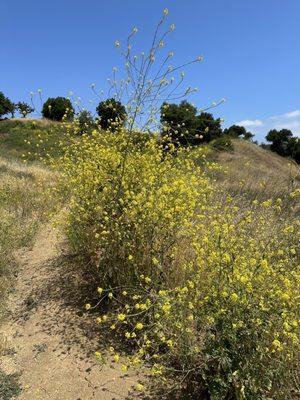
(51, 341)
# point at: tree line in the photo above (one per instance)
(181, 124)
(8, 107)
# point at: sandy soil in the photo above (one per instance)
(51, 341)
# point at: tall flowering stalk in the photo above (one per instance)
(150, 79)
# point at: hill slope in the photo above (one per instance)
(33, 138)
(257, 172)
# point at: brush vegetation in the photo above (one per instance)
(200, 267)
(195, 251)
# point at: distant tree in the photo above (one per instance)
(85, 121)
(179, 123)
(293, 149)
(235, 131)
(279, 140)
(182, 125)
(208, 127)
(248, 136)
(6, 106)
(12, 108)
(24, 108)
(112, 114)
(57, 108)
(3, 108)
(238, 131)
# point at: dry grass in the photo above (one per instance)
(22, 207)
(22, 203)
(257, 173)
(39, 121)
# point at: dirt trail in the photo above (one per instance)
(51, 340)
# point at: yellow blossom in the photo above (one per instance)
(121, 317)
(234, 297)
(139, 387)
(139, 326)
(100, 290)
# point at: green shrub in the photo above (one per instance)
(222, 143)
(112, 114)
(10, 386)
(57, 109)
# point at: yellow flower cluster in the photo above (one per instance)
(201, 284)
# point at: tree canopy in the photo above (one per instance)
(182, 125)
(112, 114)
(238, 131)
(24, 108)
(6, 106)
(279, 140)
(56, 108)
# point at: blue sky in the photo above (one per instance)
(251, 50)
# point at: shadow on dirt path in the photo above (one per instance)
(51, 340)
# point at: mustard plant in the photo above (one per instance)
(202, 285)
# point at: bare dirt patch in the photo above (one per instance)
(48, 338)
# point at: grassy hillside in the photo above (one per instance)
(22, 203)
(257, 172)
(30, 138)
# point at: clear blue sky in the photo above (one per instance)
(251, 49)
